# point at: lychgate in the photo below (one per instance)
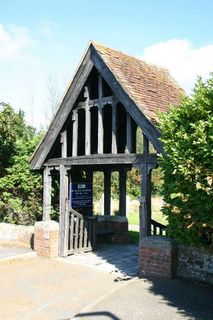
(110, 98)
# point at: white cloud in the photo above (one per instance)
(14, 42)
(184, 61)
(25, 71)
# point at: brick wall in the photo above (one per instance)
(156, 257)
(46, 236)
(117, 225)
(161, 257)
(195, 263)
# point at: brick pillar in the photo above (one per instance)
(46, 235)
(156, 257)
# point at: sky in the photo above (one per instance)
(42, 42)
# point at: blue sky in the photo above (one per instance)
(41, 43)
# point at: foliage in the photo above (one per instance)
(187, 134)
(20, 189)
(134, 236)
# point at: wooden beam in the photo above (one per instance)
(120, 158)
(145, 145)
(63, 112)
(87, 122)
(122, 192)
(107, 192)
(87, 131)
(47, 188)
(64, 144)
(75, 133)
(149, 129)
(89, 176)
(114, 128)
(129, 137)
(104, 159)
(96, 102)
(100, 86)
(100, 117)
(145, 202)
(63, 219)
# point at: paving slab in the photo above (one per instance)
(119, 259)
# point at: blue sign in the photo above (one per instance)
(80, 195)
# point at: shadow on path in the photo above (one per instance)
(191, 299)
(91, 315)
(121, 259)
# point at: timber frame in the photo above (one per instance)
(95, 129)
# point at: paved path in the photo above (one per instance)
(96, 288)
(119, 259)
(11, 249)
(36, 288)
(154, 299)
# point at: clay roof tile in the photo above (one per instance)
(152, 88)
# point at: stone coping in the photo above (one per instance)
(157, 242)
(50, 224)
(112, 219)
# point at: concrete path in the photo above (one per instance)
(101, 287)
(154, 299)
(11, 249)
(36, 288)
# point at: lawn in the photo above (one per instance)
(133, 216)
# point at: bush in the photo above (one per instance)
(20, 189)
(187, 134)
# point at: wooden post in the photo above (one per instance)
(114, 128)
(64, 144)
(47, 185)
(122, 192)
(87, 131)
(63, 220)
(145, 145)
(145, 201)
(129, 137)
(100, 117)
(89, 175)
(145, 198)
(87, 122)
(107, 192)
(75, 133)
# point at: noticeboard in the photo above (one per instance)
(80, 195)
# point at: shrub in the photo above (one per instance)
(187, 134)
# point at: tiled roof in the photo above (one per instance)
(152, 88)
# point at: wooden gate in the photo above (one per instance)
(82, 232)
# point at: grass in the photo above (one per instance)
(133, 208)
(133, 216)
(134, 236)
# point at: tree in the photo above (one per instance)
(187, 134)
(20, 189)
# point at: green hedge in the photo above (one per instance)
(187, 134)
